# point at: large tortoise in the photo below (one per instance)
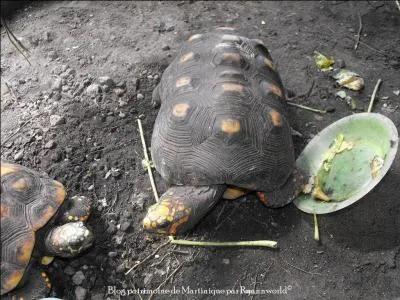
(36, 224)
(222, 130)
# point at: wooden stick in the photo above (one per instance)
(263, 243)
(146, 157)
(306, 107)
(398, 4)
(359, 32)
(316, 229)
(371, 103)
(147, 258)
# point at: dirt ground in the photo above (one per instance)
(61, 116)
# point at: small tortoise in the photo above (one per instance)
(36, 224)
(222, 130)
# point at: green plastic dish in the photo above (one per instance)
(350, 176)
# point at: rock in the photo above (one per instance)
(165, 48)
(21, 81)
(19, 155)
(56, 120)
(78, 278)
(120, 268)
(57, 84)
(140, 96)
(111, 229)
(47, 36)
(52, 54)
(121, 115)
(80, 293)
(69, 271)
(105, 80)
(93, 89)
(125, 226)
(112, 254)
(226, 261)
(50, 144)
(119, 92)
(56, 96)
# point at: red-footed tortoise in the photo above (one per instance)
(36, 224)
(222, 130)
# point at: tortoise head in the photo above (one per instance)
(167, 217)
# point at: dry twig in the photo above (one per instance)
(147, 258)
(371, 103)
(153, 185)
(359, 32)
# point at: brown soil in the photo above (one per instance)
(97, 150)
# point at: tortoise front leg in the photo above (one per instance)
(34, 285)
(180, 208)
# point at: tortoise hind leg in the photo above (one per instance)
(156, 97)
(180, 208)
(34, 285)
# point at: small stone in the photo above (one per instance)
(165, 48)
(56, 96)
(65, 88)
(56, 120)
(120, 268)
(93, 89)
(50, 144)
(80, 293)
(111, 229)
(112, 254)
(340, 63)
(170, 28)
(127, 214)
(121, 115)
(78, 278)
(57, 84)
(140, 96)
(69, 271)
(121, 103)
(77, 169)
(47, 36)
(119, 92)
(105, 80)
(52, 54)
(125, 226)
(397, 92)
(226, 261)
(19, 155)
(91, 188)
(21, 81)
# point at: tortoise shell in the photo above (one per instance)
(223, 116)
(28, 201)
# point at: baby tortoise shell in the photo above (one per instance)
(28, 201)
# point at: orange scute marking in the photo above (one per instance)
(230, 126)
(60, 193)
(10, 282)
(276, 90)
(182, 81)
(7, 169)
(5, 211)
(20, 184)
(180, 110)
(44, 218)
(194, 37)
(276, 118)
(268, 63)
(233, 193)
(231, 56)
(233, 87)
(186, 57)
(25, 251)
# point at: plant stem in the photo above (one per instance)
(262, 243)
